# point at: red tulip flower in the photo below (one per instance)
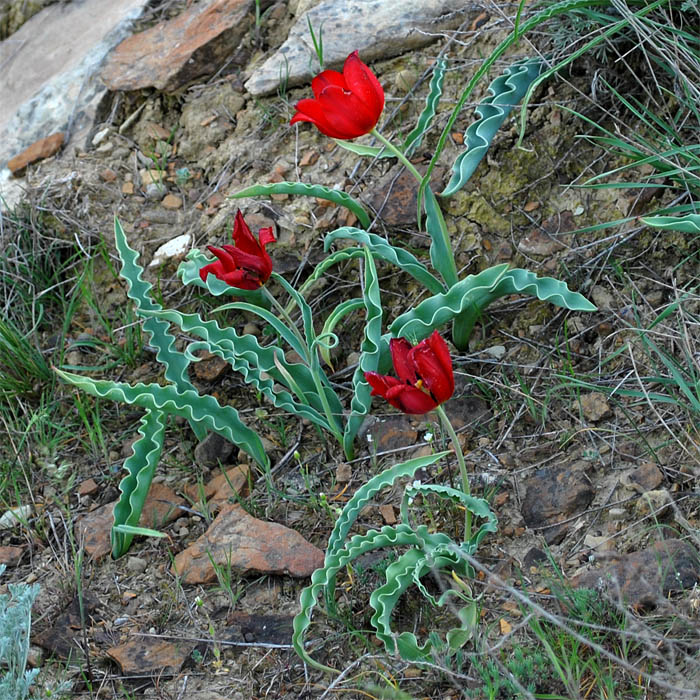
(345, 105)
(425, 378)
(246, 264)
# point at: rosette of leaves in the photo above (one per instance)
(425, 552)
(300, 388)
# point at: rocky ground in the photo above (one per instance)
(584, 482)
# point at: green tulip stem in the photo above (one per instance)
(312, 362)
(462, 468)
(395, 151)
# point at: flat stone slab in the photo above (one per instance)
(173, 53)
(49, 78)
(376, 28)
(244, 543)
(146, 656)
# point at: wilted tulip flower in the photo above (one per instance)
(425, 378)
(345, 105)
(246, 264)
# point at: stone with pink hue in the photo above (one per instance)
(175, 52)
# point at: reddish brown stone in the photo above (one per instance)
(146, 656)
(161, 507)
(396, 196)
(88, 487)
(647, 476)
(645, 578)
(44, 148)
(225, 486)
(210, 367)
(244, 543)
(94, 529)
(173, 53)
(11, 556)
(553, 495)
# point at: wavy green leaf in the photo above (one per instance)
(414, 139)
(284, 332)
(369, 354)
(478, 506)
(337, 315)
(690, 223)
(381, 248)
(139, 291)
(441, 255)
(506, 91)
(247, 356)
(335, 196)
(333, 259)
(408, 569)
(473, 294)
(388, 536)
(188, 404)
(368, 491)
(140, 466)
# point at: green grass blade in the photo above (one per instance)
(506, 92)
(140, 467)
(188, 404)
(335, 196)
(415, 137)
(381, 248)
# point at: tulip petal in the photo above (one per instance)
(215, 268)
(241, 279)
(312, 111)
(346, 112)
(242, 236)
(326, 78)
(432, 361)
(380, 383)
(224, 256)
(266, 236)
(405, 369)
(410, 400)
(362, 83)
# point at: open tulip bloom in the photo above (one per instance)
(425, 377)
(425, 381)
(345, 105)
(246, 264)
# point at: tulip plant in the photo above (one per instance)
(287, 367)
(349, 104)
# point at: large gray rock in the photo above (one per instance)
(376, 28)
(49, 79)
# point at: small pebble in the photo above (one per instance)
(136, 565)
